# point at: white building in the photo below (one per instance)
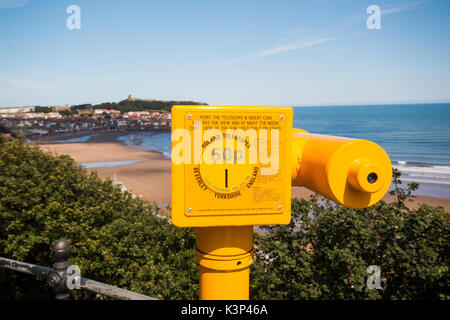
(17, 110)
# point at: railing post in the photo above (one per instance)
(57, 279)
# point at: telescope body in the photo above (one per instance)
(352, 172)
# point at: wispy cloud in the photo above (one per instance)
(313, 41)
(10, 4)
(291, 46)
(403, 7)
(277, 50)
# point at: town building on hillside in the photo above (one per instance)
(107, 111)
(156, 115)
(61, 108)
(40, 115)
(166, 116)
(17, 110)
(42, 123)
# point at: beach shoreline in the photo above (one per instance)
(151, 175)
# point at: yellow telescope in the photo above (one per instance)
(351, 172)
(233, 167)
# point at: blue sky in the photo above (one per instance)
(246, 52)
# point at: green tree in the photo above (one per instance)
(42, 109)
(326, 249)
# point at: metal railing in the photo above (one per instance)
(58, 276)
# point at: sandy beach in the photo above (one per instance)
(151, 176)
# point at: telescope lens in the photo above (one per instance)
(372, 177)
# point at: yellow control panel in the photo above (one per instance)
(231, 165)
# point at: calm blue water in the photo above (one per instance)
(78, 139)
(416, 137)
(108, 164)
(159, 142)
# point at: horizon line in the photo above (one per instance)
(291, 105)
(370, 104)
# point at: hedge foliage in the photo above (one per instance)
(325, 251)
(115, 238)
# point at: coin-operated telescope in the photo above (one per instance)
(352, 172)
(233, 168)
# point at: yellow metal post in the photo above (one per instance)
(225, 255)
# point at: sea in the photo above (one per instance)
(415, 136)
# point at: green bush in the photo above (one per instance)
(322, 254)
(115, 238)
(325, 251)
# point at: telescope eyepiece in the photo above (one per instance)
(366, 175)
(372, 178)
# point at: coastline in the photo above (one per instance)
(151, 175)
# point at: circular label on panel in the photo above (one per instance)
(226, 170)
